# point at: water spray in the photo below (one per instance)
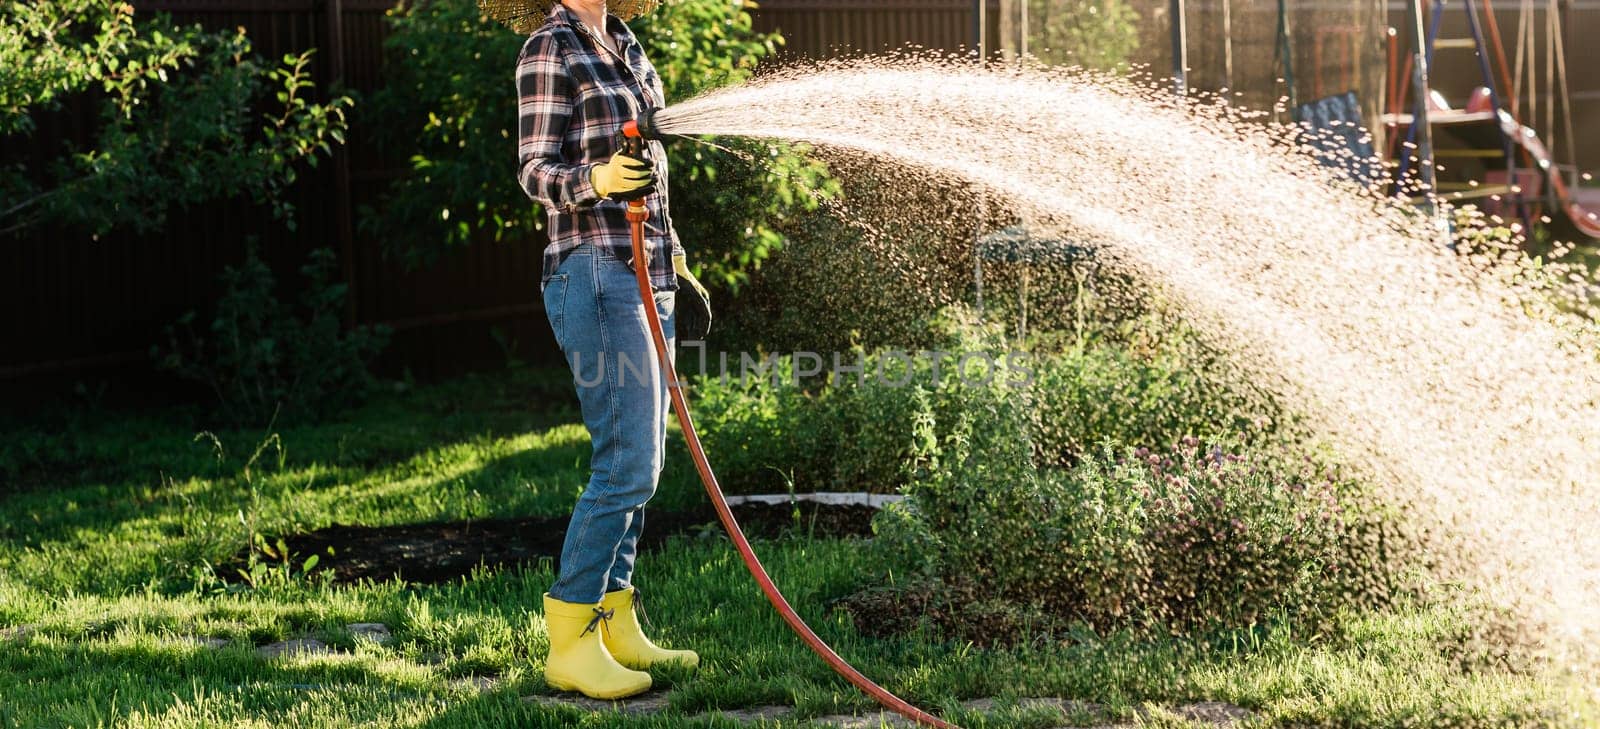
(632, 142)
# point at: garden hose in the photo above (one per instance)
(637, 215)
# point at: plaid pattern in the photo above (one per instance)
(572, 97)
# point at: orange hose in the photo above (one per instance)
(1533, 209)
(637, 215)
(1500, 57)
(1405, 88)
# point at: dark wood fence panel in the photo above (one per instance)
(74, 306)
(832, 28)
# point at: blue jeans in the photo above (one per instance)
(594, 309)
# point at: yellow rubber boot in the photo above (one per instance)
(578, 659)
(624, 638)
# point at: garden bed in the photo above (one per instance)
(441, 552)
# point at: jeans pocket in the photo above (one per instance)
(667, 310)
(609, 258)
(555, 305)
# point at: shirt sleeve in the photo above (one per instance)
(544, 109)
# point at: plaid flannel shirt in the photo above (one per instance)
(573, 95)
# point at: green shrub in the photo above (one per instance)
(877, 428)
(826, 433)
(1081, 495)
(1099, 34)
(260, 357)
(1193, 540)
(1178, 537)
(763, 433)
(183, 116)
(1147, 382)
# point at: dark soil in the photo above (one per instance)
(960, 610)
(443, 552)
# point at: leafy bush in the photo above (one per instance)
(260, 357)
(769, 433)
(1149, 384)
(1082, 494)
(1100, 34)
(866, 270)
(850, 432)
(449, 107)
(1193, 540)
(176, 125)
(762, 432)
(877, 428)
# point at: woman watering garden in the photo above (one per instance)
(580, 76)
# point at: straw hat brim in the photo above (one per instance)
(525, 16)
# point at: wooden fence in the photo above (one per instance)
(77, 307)
(81, 308)
(828, 28)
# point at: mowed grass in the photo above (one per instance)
(110, 525)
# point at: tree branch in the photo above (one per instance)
(28, 202)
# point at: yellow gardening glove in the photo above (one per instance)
(694, 303)
(623, 177)
(680, 263)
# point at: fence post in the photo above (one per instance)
(342, 214)
(1180, 48)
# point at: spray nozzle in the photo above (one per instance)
(631, 138)
(643, 127)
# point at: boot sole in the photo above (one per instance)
(572, 686)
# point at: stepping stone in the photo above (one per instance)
(375, 632)
(297, 646)
(1066, 707)
(984, 705)
(870, 721)
(480, 684)
(1213, 712)
(647, 703)
(212, 643)
(831, 498)
(1217, 713)
(19, 632)
(759, 713)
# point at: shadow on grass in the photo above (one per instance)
(102, 684)
(161, 492)
(442, 552)
(175, 502)
(86, 446)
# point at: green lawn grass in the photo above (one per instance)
(110, 522)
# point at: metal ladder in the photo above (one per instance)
(1422, 90)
